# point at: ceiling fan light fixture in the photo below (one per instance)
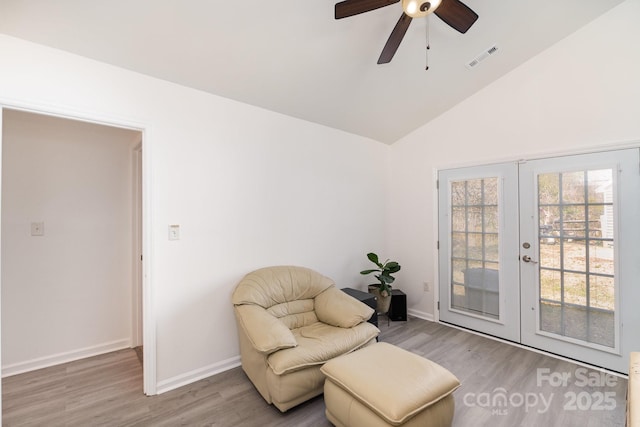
(419, 8)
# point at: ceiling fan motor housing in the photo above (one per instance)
(419, 8)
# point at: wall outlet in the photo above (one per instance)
(427, 286)
(37, 228)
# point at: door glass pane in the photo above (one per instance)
(577, 277)
(474, 246)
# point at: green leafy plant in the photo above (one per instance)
(385, 271)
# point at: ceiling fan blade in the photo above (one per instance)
(354, 7)
(394, 39)
(456, 14)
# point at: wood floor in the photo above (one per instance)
(107, 390)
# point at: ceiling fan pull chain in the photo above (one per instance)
(428, 44)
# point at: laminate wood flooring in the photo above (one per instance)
(501, 386)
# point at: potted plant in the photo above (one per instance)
(382, 290)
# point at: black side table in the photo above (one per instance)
(366, 298)
(398, 308)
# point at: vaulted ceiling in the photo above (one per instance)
(293, 57)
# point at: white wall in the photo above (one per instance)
(66, 294)
(249, 188)
(582, 93)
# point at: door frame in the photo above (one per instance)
(137, 323)
(148, 318)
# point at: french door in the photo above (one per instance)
(544, 253)
(479, 269)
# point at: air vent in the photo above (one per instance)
(484, 55)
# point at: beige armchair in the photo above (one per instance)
(291, 320)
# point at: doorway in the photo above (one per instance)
(72, 186)
(542, 253)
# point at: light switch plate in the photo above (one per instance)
(174, 232)
(37, 228)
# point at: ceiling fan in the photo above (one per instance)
(453, 12)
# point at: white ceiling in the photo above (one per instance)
(293, 57)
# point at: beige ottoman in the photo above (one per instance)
(383, 385)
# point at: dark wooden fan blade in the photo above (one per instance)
(354, 7)
(394, 39)
(456, 14)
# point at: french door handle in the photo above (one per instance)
(527, 258)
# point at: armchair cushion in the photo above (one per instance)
(336, 308)
(269, 286)
(265, 331)
(319, 343)
(295, 314)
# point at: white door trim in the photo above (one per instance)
(1, 115)
(149, 319)
(136, 291)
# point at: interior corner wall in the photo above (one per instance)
(248, 187)
(581, 94)
(65, 294)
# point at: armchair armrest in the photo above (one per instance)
(336, 308)
(265, 331)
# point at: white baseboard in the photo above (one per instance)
(216, 368)
(67, 356)
(197, 374)
(421, 314)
